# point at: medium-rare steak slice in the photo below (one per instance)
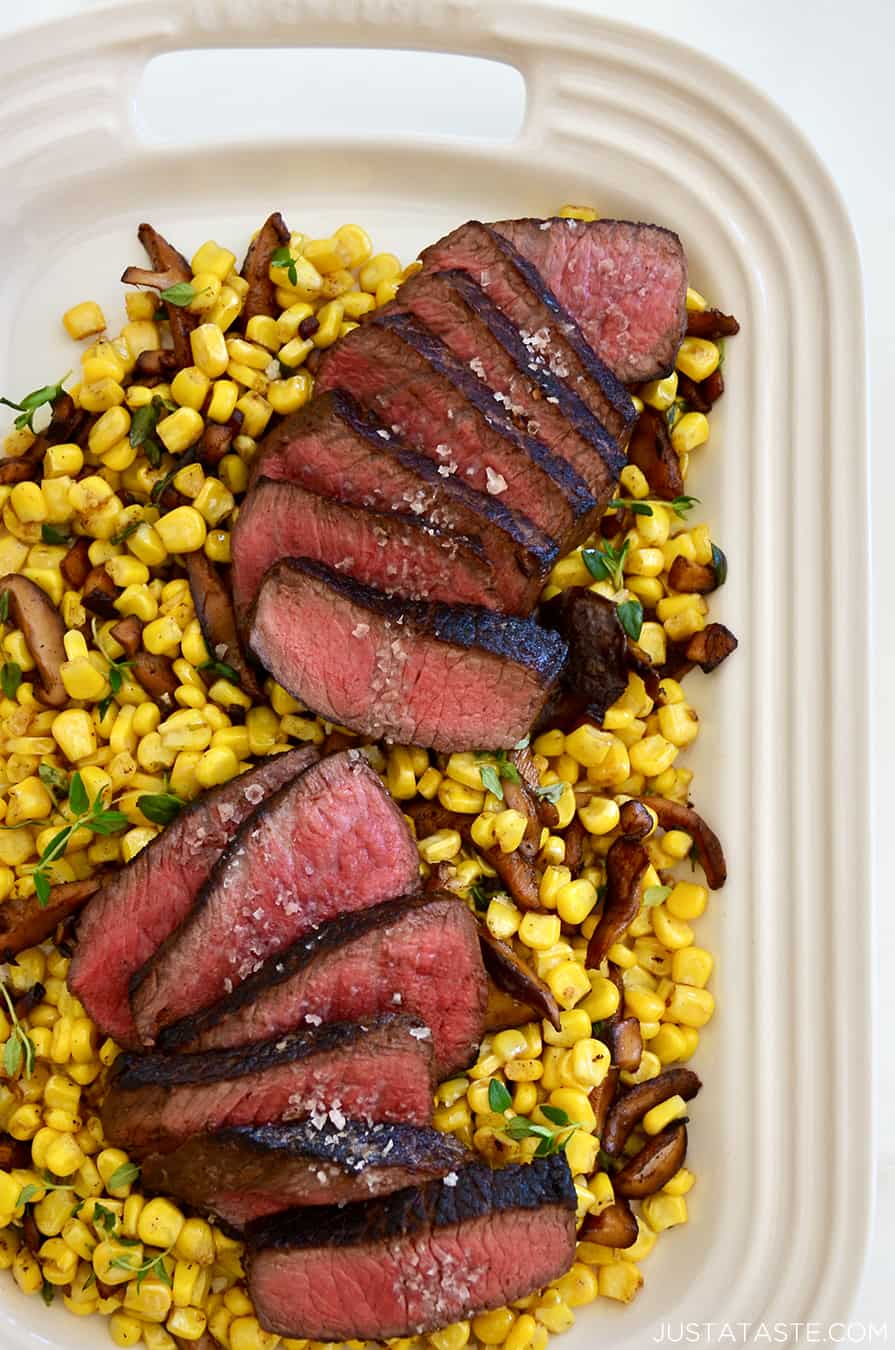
(377, 960)
(398, 553)
(519, 291)
(409, 378)
(133, 914)
(245, 1174)
(381, 1070)
(419, 1259)
(334, 447)
(444, 676)
(624, 283)
(331, 842)
(458, 311)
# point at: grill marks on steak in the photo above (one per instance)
(336, 448)
(378, 1071)
(434, 675)
(397, 553)
(391, 957)
(132, 915)
(410, 379)
(248, 1173)
(529, 388)
(331, 842)
(416, 1260)
(520, 292)
(625, 284)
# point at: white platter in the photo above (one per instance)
(782, 1137)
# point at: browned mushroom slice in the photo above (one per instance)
(511, 974)
(156, 675)
(33, 612)
(574, 837)
(518, 874)
(710, 323)
(626, 863)
(214, 610)
(23, 923)
(693, 577)
(655, 1164)
(67, 423)
(517, 797)
(630, 1108)
(676, 816)
(100, 593)
(527, 770)
(692, 393)
(155, 365)
(261, 297)
(635, 821)
(22, 469)
(217, 439)
(75, 566)
(428, 817)
(438, 878)
(597, 669)
(626, 1044)
(128, 634)
(602, 1097)
(651, 450)
(710, 647)
(169, 268)
(713, 386)
(14, 1153)
(614, 1226)
(502, 1010)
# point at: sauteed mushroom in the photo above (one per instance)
(214, 610)
(156, 675)
(655, 1164)
(261, 296)
(676, 816)
(626, 863)
(710, 323)
(44, 630)
(23, 923)
(651, 450)
(614, 1226)
(635, 821)
(630, 1108)
(169, 268)
(516, 978)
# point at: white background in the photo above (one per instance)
(829, 66)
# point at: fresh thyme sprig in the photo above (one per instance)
(95, 816)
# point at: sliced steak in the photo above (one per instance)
(143, 903)
(420, 1259)
(409, 378)
(454, 307)
(332, 446)
(248, 1173)
(444, 676)
(520, 292)
(390, 957)
(624, 283)
(330, 842)
(378, 1071)
(397, 553)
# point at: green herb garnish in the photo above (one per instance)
(10, 678)
(154, 1266)
(499, 1098)
(93, 816)
(551, 793)
(4, 606)
(125, 1175)
(630, 616)
(54, 780)
(31, 402)
(18, 1052)
(644, 506)
(496, 768)
(282, 257)
(126, 533)
(719, 565)
(221, 669)
(142, 432)
(160, 807)
(607, 563)
(181, 294)
(655, 895)
(552, 1138)
(50, 535)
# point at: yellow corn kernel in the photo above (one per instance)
(690, 1007)
(457, 797)
(74, 733)
(652, 755)
(146, 544)
(53, 1211)
(26, 1271)
(246, 1334)
(179, 430)
(587, 745)
(214, 502)
(578, 1286)
(329, 318)
(84, 320)
(568, 981)
(660, 394)
(508, 1045)
(672, 933)
(509, 829)
(288, 395)
(218, 765)
(160, 1223)
(675, 1108)
(692, 966)
(383, 267)
(465, 768)
(635, 484)
(619, 1280)
(355, 247)
(663, 1211)
(575, 900)
(698, 358)
(108, 430)
(28, 503)
(689, 432)
(668, 1044)
(209, 350)
(100, 395)
(589, 1062)
(453, 1337)
(400, 777)
(256, 413)
(234, 473)
(555, 876)
(440, 846)
(182, 530)
(492, 1328)
(687, 900)
(553, 1313)
(27, 799)
(575, 1026)
(525, 1070)
(211, 257)
(502, 919)
(539, 931)
(190, 387)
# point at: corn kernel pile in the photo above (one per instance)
(73, 1220)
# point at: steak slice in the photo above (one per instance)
(249, 1173)
(623, 282)
(332, 446)
(416, 1260)
(132, 915)
(520, 292)
(391, 956)
(445, 676)
(459, 312)
(409, 378)
(379, 1071)
(397, 553)
(332, 841)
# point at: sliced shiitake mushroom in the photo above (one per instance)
(626, 1044)
(626, 863)
(156, 675)
(128, 633)
(651, 450)
(693, 577)
(631, 1106)
(502, 1010)
(602, 1097)
(217, 439)
(24, 923)
(710, 647)
(655, 1164)
(677, 816)
(614, 1226)
(214, 610)
(511, 974)
(155, 365)
(41, 623)
(518, 797)
(574, 836)
(100, 593)
(710, 323)
(517, 873)
(168, 269)
(635, 821)
(75, 566)
(261, 297)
